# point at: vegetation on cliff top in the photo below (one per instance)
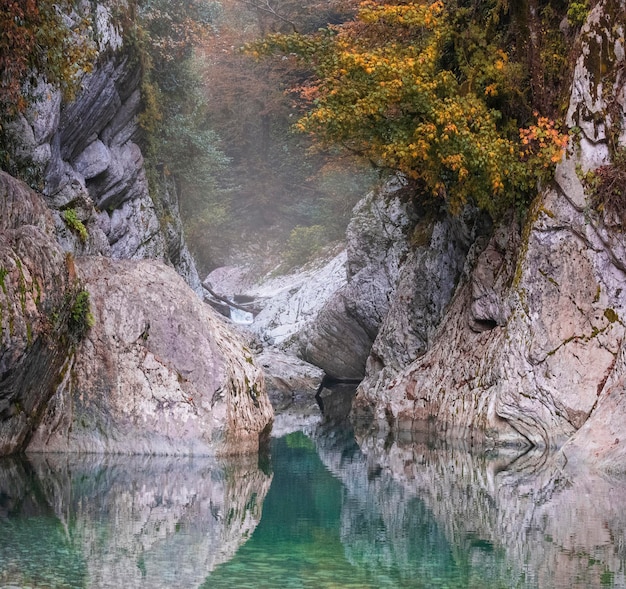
(459, 96)
(464, 97)
(37, 40)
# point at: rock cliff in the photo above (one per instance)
(37, 294)
(529, 349)
(85, 157)
(159, 372)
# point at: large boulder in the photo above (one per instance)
(159, 372)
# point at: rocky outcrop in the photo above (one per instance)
(287, 375)
(286, 303)
(303, 314)
(158, 373)
(331, 314)
(529, 350)
(425, 284)
(37, 293)
(340, 338)
(85, 156)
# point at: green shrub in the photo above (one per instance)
(81, 319)
(75, 224)
(577, 13)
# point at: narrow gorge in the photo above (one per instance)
(384, 350)
(491, 333)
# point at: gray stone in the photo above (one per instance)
(82, 120)
(122, 180)
(335, 341)
(109, 36)
(289, 303)
(35, 302)
(158, 373)
(94, 160)
(135, 231)
(286, 375)
(340, 338)
(44, 115)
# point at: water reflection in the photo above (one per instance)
(93, 521)
(510, 520)
(337, 512)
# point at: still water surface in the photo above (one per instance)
(320, 512)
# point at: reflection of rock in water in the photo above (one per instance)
(335, 400)
(35, 548)
(151, 522)
(386, 528)
(555, 529)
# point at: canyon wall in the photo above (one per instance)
(529, 346)
(104, 348)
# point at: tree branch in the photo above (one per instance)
(264, 6)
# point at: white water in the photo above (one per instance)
(241, 317)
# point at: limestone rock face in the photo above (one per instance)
(530, 347)
(158, 373)
(340, 338)
(289, 303)
(286, 375)
(335, 341)
(425, 284)
(88, 159)
(35, 301)
(377, 241)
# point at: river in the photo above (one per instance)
(319, 510)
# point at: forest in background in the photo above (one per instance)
(251, 190)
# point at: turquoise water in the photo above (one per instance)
(321, 511)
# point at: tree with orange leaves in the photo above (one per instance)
(381, 88)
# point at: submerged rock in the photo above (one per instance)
(158, 373)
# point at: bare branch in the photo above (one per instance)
(265, 6)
